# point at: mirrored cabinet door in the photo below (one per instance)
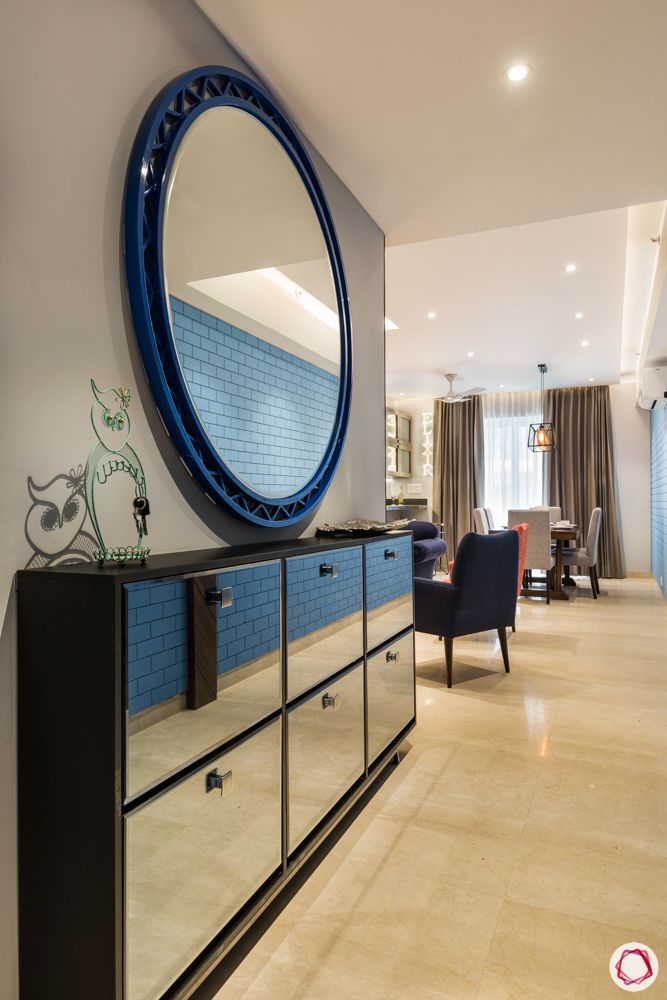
(194, 855)
(388, 588)
(324, 616)
(391, 693)
(203, 663)
(325, 740)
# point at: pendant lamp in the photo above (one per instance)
(541, 436)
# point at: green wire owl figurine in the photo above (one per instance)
(111, 454)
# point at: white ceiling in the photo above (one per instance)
(408, 103)
(505, 295)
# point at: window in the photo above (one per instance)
(512, 473)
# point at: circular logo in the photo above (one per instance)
(633, 967)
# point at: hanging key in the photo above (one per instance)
(141, 510)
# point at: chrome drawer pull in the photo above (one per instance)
(331, 701)
(329, 569)
(224, 596)
(390, 554)
(393, 657)
(225, 782)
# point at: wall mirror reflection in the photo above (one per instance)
(252, 301)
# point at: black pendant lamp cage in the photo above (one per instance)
(541, 437)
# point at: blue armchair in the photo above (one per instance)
(481, 596)
(427, 548)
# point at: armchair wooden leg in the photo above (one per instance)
(449, 657)
(514, 625)
(591, 574)
(597, 580)
(502, 635)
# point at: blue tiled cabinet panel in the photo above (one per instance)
(325, 743)
(268, 412)
(388, 589)
(194, 856)
(390, 686)
(324, 616)
(659, 497)
(163, 734)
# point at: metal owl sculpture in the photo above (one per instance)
(110, 455)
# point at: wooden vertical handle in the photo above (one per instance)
(202, 643)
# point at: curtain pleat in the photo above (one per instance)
(580, 472)
(458, 466)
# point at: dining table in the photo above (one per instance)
(561, 533)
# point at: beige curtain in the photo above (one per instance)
(580, 472)
(458, 466)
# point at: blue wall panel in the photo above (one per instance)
(659, 497)
(314, 601)
(387, 579)
(269, 413)
(250, 627)
(157, 642)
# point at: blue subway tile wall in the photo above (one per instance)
(659, 497)
(388, 579)
(157, 642)
(261, 406)
(314, 601)
(250, 627)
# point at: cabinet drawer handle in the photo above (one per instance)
(225, 782)
(329, 569)
(331, 701)
(393, 657)
(390, 554)
(224, 596)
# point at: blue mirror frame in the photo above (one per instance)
(167, 120)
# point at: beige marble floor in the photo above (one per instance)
(522, 839)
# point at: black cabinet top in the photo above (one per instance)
(198, 561)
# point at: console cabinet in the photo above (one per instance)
(189, 733)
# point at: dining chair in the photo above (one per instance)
(522, 531)
(538, 549)
(587, 557)
(554, 513)
(480, 520)
(489, 518)
(481, 596)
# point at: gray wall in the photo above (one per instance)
(77, 79)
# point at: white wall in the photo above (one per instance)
(631, 443)
(80, 76)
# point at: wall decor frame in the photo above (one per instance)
(163, 128)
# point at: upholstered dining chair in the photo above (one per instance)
(538, 550)
(481, 596)
(480, 521)
(587, 557)
(489, 518)
(427, 548)
(522, 531)
(554, 513)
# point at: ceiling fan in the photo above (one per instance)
(458, 397)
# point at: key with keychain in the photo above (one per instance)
(141, 509)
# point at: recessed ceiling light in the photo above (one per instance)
(430, 315)
(471, 354)
(401, 394)
(502, 385)
(591, 380)
(578, 315)
(388, 325)
(584, 343)
(570, 268)
(517, 72)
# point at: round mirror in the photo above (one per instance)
(238, 296)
